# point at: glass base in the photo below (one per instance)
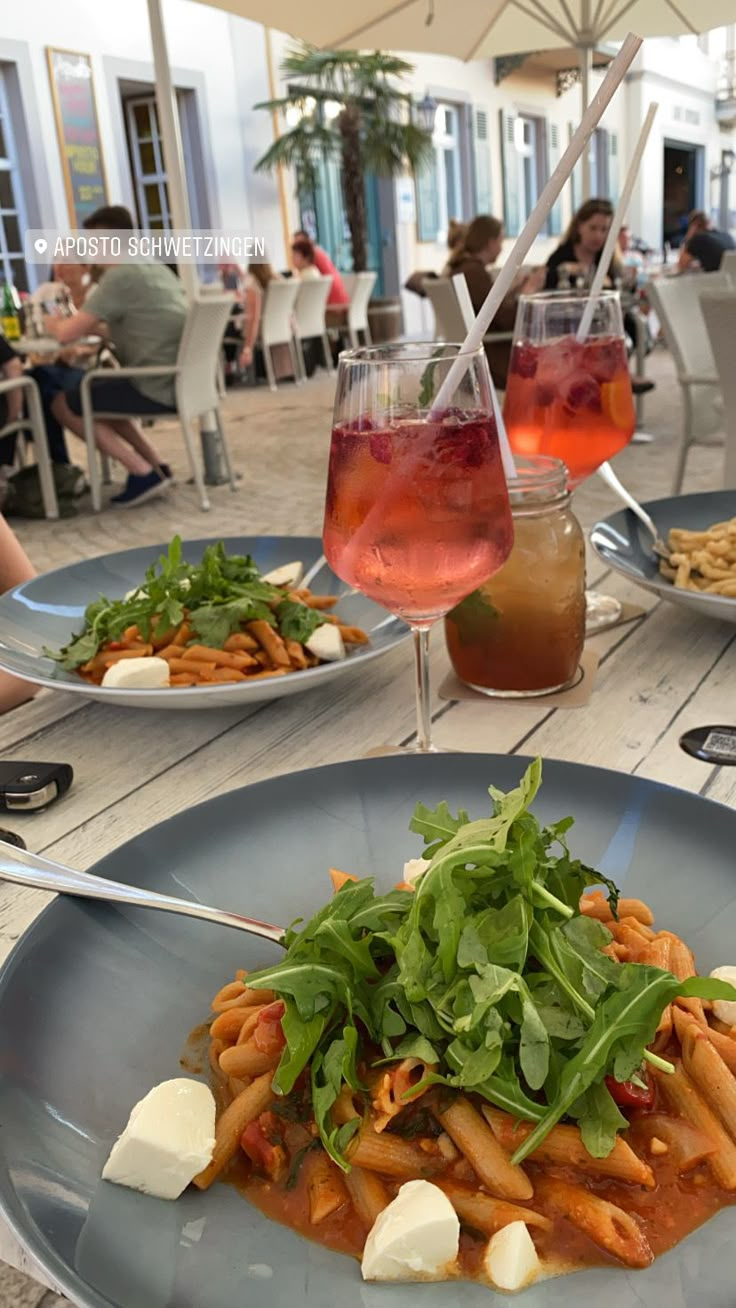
(601, 611)
(524, 694)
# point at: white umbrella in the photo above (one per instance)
(481, 29)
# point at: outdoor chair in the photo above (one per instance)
(34, 423)
(449, 319)
(719, 312)
(277, 325)
(357, 316)
(310, 318)
(728, 263)
(676, 302)
(195, 379)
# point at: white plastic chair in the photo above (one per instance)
(310, 318)
(357, 316)
(448, 318)
(196, 392)
(719, 312)
(728, 263)
(277, 325)
(676, 302)
(34, 423)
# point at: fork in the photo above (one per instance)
(609, 477)
(26, 869)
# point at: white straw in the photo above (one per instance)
(466, 308)
(604, 262)
(503, 283)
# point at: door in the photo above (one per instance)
(683, 188)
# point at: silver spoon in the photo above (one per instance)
(609, 477)
(26, 869)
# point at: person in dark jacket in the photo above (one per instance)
(480, 248)
(582, 245)
(704, 246)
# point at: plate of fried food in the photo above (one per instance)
(494, 1046)
(192, 625)
(700, 532)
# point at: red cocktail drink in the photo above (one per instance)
(417, 512)
(570, 399)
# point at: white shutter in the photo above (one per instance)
(510, 159)
(482, 194)
(554, 222)
(613, 182)
(576, 177)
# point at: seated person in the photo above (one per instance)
(15, 567)
(303, 258)
(338, 300)
(480, 248)
(581, 247)
(142, 307)
(11, 403)
(704, 246)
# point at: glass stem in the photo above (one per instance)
(424, 707)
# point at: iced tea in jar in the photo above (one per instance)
(522, 632)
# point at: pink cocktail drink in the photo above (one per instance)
(417, 512)
(570, 399)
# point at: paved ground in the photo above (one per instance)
(280, 443)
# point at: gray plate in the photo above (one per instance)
(624, 543)
(44, 613)
(96, 1003)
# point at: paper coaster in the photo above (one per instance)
(576, 696)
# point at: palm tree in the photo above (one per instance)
(371, 129)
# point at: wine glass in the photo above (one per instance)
(417, 512)
(571, 398)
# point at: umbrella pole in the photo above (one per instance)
(586, 70)
(168, 116)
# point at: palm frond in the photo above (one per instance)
(388, 146)
(302, 148)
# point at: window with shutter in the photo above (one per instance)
(482, 194)
(613, 182)
(510, 160)
(428, 208)
(554, 222)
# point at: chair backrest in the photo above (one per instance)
(719, 312)
(728, 263)
(277, 326)
(199, 353)
(360, 294)
(676, 302)
(310, 307)
(348, 281)
(448, 319)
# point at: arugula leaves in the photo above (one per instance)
(487, 972)
(218, 595)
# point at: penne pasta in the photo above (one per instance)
(564, 1147)
(604, 1223)
(230, 1126)
(709, 1073)
(246, 1060)
(681, 1095)
(368, 1194)
(484, 1213)
(474, 1138)
(392, 1156)
(325, 1187)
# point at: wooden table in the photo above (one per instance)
(658, 675)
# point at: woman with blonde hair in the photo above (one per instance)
(479, 248)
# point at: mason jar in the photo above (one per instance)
(522, 632)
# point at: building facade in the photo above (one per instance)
(78, 121)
